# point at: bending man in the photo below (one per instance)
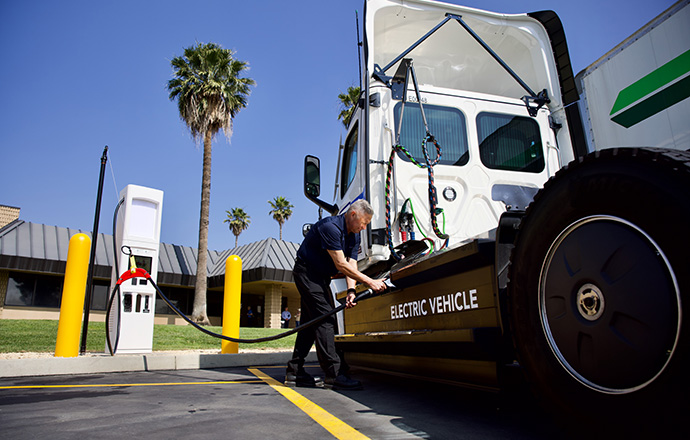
(330, 246)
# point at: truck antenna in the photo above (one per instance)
(359, 51)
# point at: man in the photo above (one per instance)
(330, 246)
(285, 318)
(250, 317)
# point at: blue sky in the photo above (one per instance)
(79, 75)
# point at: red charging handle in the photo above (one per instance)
(135, 273)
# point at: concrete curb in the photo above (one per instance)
(139, 362)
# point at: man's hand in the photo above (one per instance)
(377, 285)
(350, 301)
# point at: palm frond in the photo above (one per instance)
(348, 103)
(208, 88)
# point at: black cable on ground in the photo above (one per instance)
(143, 274)
(113, 348)
(364, 295)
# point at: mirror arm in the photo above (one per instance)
(330, 208)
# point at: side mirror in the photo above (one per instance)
(312, 184)
(305, 229)
(312, 176)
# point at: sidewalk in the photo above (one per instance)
(91, 363)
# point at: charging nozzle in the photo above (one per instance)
(132, 264)
(369, 292)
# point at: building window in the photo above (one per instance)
(24, 289)
(34, 290)
(100, 295)
(180, 298)
(511, 143)
(20, 290)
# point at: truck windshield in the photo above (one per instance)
(508, 142)
(446, 124)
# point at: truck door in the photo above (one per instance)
(350, 186)
(351, 181)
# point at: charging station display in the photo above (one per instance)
(138, 232)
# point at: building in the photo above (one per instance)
(33, 258)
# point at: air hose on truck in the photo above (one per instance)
(137, 272)
(428, 164)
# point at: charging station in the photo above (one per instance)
(138, 229)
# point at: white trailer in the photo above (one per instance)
(636, 94)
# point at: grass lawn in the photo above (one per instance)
(23, 335)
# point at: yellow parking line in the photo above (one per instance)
(332, 424)
(118, 385)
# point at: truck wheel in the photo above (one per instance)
(598, 278)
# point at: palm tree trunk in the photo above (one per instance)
(236, 238)
(199, 311)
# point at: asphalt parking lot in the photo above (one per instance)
(252, 403)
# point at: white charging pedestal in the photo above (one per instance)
(138, 227)
(338, 285)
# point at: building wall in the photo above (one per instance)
(8, 214)
(272, 300)
(4, 278)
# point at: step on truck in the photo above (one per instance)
(528, 218)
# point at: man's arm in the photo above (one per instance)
(351, 283)
(349, 269)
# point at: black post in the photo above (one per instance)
(92, 259)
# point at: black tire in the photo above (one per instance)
(598, 279)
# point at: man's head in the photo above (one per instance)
(358, 216)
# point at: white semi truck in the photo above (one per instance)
(526, 216)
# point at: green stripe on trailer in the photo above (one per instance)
(665, 86)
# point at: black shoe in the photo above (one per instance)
(342, 382)
(303, 379)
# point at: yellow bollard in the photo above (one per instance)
(73, 293)
(231, 303)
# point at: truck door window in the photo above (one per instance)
(508, 142)
(349, 161)
(446, 124)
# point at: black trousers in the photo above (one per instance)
(316, 300)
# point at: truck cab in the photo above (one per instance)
(467, 78)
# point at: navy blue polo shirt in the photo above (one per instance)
(328, 234)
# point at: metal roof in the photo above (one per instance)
(269, 259)
(35, 247)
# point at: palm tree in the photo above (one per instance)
(348, 102)
(281, 212)
(238, 221)
(209, 94)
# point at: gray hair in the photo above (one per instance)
(361, 206)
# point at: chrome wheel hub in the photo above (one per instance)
(590, 302)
